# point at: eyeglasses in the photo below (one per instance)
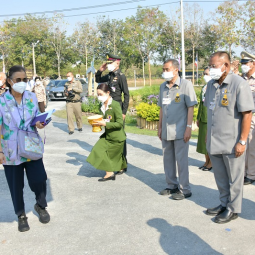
(19, 80)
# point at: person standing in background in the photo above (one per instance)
(202, 124)
(248, 70)
(3, 87)
(39, 90)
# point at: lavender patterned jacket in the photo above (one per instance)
(23, 114)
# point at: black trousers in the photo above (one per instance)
(36, 177)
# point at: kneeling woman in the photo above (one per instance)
(107, 154)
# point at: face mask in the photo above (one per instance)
(207, 78)
(102, 98)
(38, 82)
(111, 67)
(216, 73)
(168, 76)
(69, 78)
(1, 83)
(245, 69)
(19, 87)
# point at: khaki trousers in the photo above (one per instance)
(176, 151)
(250, 153)
(73, 109)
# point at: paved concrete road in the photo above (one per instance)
(126, 216)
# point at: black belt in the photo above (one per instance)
(73, 101)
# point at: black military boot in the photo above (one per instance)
(22, 223)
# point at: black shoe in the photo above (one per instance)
(201, 167)
(207, 169)
(167, 192)
(71, 132)
(248, 181)
(22, 223)
(216, 210)
(44, 216)
(80, 129)
(121, 171)
(179, 195)
(107, 179)
(225, 217)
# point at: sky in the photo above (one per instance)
(30, 6)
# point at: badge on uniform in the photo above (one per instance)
(177, 98)
(113, 89)
(224, 100)
(166, 100)
(109, 117)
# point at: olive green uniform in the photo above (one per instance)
(107, 154)
(73, 106)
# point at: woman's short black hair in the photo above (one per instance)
(37, 78)
(12, 70)
(105, 87)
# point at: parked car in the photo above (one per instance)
(57, 91)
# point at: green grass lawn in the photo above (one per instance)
(130, 127)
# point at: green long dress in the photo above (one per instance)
(107, 153)
(202, 118)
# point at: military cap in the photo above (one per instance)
(246, 57)
(110, 57)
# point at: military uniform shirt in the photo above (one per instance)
(174, 102)
(118, 83)
(76, 87)
(251, 82)
(225, 105)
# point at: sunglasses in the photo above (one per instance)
(19, 79)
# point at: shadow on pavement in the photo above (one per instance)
(179, 240)
(7, 213)
(61, 126)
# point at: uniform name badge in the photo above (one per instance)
(113, 89)
(166, 100)
(212, 106)
(106, 120)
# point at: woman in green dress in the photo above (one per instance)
(107, 154)
(202, 124)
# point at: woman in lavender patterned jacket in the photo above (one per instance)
(17, 109)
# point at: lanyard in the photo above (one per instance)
(22, 119)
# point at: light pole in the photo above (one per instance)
(183, 48)
(33, 45)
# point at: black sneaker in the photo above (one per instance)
(80, 129)
(22, 223)
(71, 132)
(44, 216)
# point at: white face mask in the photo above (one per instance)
(69, 78)
(168, 76)
(1, 83)
(111, 67)
(207, 78)
(216, 73)
(102, 98)
(19, 87)
(245, 69)
(38, 83)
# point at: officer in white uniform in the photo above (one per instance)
(229, 104)
(176, 100)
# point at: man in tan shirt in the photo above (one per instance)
(248, 70)
(73, 102)
(2, 83)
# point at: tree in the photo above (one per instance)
(227, 25)
(248, 25)
(145, 29)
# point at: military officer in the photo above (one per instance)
(229, 104)
(248, 70)
(73, 102)
(118, 83)
(176, 100)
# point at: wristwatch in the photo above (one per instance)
(242, 142)
(190, 126)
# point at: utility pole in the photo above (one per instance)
(183, 47)
(33, 45)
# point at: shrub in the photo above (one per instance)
(90, 104)
(150, 112)
(151, 99)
